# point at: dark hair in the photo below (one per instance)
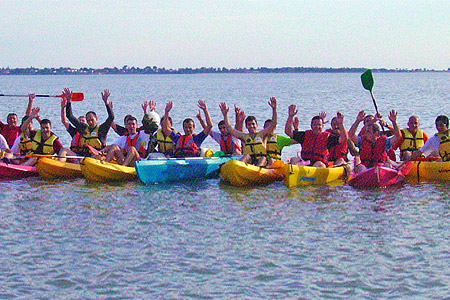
(188, 120)
(11, 114)
(316, 118)
(221, 123)
(249, 119)
(24, 119)
(46, 121)
(91, 112)
(130, 118)
(170, 119)
(443, 119)
(375, 127)
(126, 118)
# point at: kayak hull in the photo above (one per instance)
(11, 171)
(178, 169)
(430, 171)
(101, 171)
(54, 169)
(378, 176)
(306, 175)
(239, 173)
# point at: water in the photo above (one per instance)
(206, 240)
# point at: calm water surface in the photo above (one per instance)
(206, 240)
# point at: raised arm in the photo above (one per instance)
(273, 125)
(396, 130)
(343, 134)
(240, 117)
(64, 120)
(200, 119)
(352, 132)
(292, 111)
(31, 98)
(165, 122)
(236, 133)
(33, 114)
(209, 124)
(67, 93)
(109, 108)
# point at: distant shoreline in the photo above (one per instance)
(158, 71)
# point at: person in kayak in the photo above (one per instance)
(188, 144)
(92, 134)
(43, 141)
(412, 138)
(229, 145)
(316, 143)
(10, 130)
(254, 147)
(151, 115)
(275, 144)
(439, 144)
(372, 144)
(131, 147)
(338, 154)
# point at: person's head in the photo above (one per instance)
(441, 123)
(368, 118)
(188, 126)
(267, 122)
(131, 125)
(372, 132)
(223, 128)
(91, 119)
(169, 121)
(30, 125)
(46, 128)
(12, 119)
(317, 124)
(251, 124)
(82, 119)
(334, 125)
(126, 119)
(413, 124)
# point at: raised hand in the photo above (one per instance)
(152, 105)
(144, 106)
(199, 116)
(31, 97)
(340, 118)
(35, 112)
(273, 102)
(292, 110)
(202, 105)
(67, 93)
(105, 95)
(393, 116)
(296, 123)
(323, 115)
(63, 102)
(361, 115)
(224, 108)
(169, 106)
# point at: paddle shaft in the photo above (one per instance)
(75, 96)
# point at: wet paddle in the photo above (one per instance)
(75, 96)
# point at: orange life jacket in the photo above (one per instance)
(186, 146)
(314, 146)
(373, 153)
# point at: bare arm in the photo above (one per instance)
(201, 120)
(165, 122)
(352, 132)
(236, 133)
(396, 130)
(292, 111)
(33, 114)
(209, 124)
(343, 134)
(240, 117)
(64, 120)
(273, 125)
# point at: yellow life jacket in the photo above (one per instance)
(444, 150)
(165, 143)
(39, 146)
(90, 137)
(25, 144)
(254, 146)
(412, 143)
(273, 151)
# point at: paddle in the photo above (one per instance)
(75, 96)
(367, 82)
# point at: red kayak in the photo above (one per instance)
(11, 171)
(379, 176)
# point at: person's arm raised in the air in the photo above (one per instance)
(165, 126)
(352, 131)
(209, 124)
(396, 130)
(292, 111)
(236, 133)
(343, 134)
(33, 114)
(272, 125)
(64, 120)
(240, 117)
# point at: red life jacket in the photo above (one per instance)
(373, 154)
(339, 151)
(131, 142)
(314, 147)
(227, 145)
(76, 143)
(186, 146)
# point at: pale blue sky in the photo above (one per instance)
(173, 34)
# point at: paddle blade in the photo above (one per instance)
(367, 80)
(77, 97)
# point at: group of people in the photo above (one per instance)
(374, 144)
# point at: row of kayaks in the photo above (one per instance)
(230, 169)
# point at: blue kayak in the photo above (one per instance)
(179, 169)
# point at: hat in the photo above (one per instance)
(151, 117)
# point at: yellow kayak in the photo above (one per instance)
(430, 170)
(52, 168)
(101, 171)
(238, 173)
(306, 175)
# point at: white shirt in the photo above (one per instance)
(142, 140)
(217, 136)
(15, 147)
(3, 143)
(433, 144)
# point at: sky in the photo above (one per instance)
(390, 34)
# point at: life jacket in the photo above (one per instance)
(273, 151)
(165, 143)
(373, 153)
(254, 146)
(131, 142)
(444, 149)
(39, 146)
(227, 146)
(186, 147)
(339, 151)
(410, 142)
(25, 144)
(90, 137)
(76, 144)
(314, 147)
(10, 133)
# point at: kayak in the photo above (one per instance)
(297, 175)
(239, 173)
(179, 169)
(379, 176)
(51, 168)
(430, 170)
(101, 171)
(12, 171)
